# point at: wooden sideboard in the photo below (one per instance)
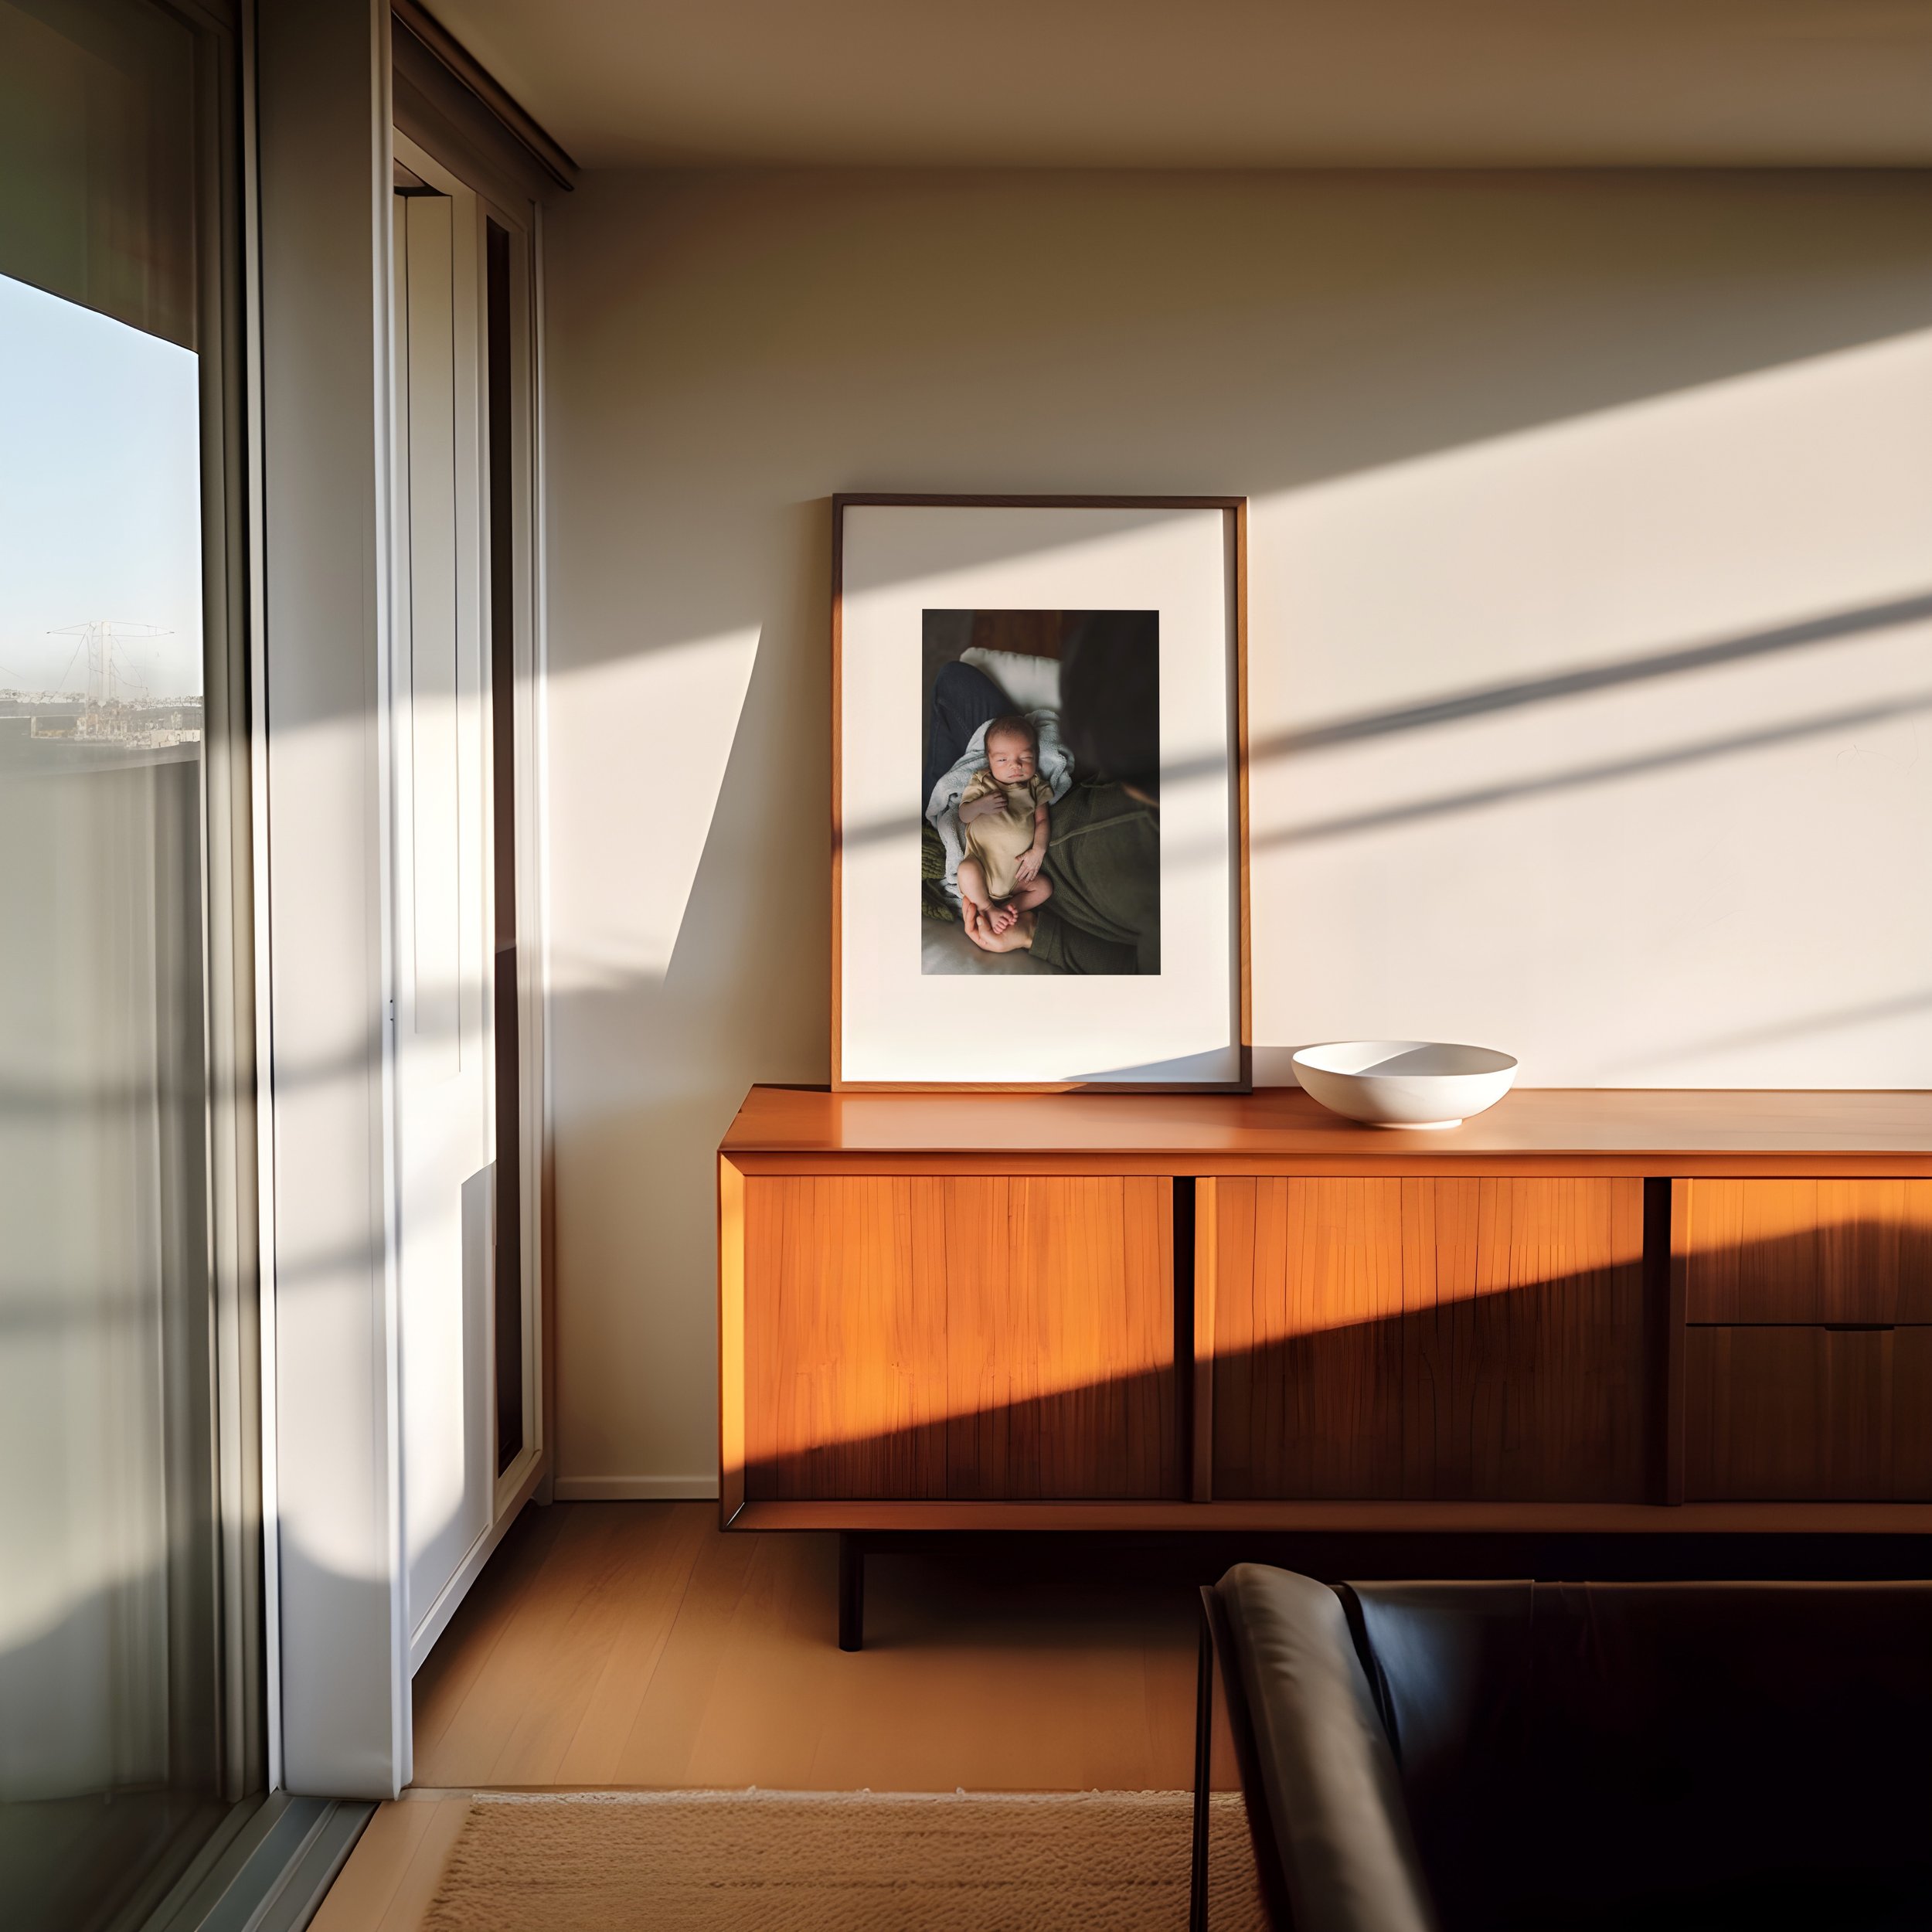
(1600, 1311)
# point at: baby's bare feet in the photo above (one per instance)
(1002, 916)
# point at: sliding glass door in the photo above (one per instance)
(127, 1652)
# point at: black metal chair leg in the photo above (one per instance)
(852, 1592)
(1197, 1897)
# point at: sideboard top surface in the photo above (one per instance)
(1684, 1130)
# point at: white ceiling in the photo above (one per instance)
(1216, 83)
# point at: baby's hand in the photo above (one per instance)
(1027, 870)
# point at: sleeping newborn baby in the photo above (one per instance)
(1002, 822)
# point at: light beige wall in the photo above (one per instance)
(1533, 440)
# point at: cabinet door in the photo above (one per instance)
(1307, 1337)
(1429, 1338)
(1807, 1414)
(1524, 1358)
(1803, 1251)
(959, 1339)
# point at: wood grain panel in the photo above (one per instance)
(1060, 1338)
(1809, 1414)
(1454, 1339)
(1523, 1366)
(844, 1328)
(1308, 1344)
(961, 1338)
(1808, 1250)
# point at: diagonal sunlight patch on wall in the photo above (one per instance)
(1835, 1020)
(1609, 734)
(649, 737)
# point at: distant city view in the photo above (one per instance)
(67, 718)
(101, 626)
(100, 591)
(111, 710)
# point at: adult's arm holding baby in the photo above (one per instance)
(1104, 864)
(1073, 949)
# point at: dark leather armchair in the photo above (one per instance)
(1574, 1757)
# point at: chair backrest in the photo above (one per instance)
(1324, 1795)
(1620, 1743)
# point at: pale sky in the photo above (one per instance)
(99, 494)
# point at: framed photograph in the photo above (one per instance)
(1040, 806)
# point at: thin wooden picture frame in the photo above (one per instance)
(1235, 509)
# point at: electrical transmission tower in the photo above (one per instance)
(108, 676)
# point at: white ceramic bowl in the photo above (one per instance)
(1405, 1083)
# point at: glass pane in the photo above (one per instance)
(110, 1771)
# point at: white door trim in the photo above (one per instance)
(529, 1473)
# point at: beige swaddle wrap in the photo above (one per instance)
(999, 840)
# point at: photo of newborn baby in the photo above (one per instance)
(1061, 677)
(1040, 793)
(1003, 814)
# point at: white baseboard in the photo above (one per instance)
(636, 1488)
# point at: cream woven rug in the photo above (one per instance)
(841, 1861)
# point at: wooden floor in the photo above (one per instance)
(626, 1644)
(392, 1874)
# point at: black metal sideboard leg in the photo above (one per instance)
(852, 1591)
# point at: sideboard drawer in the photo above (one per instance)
(1806, 1251)
(956, 1338)
(1807, 1414)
